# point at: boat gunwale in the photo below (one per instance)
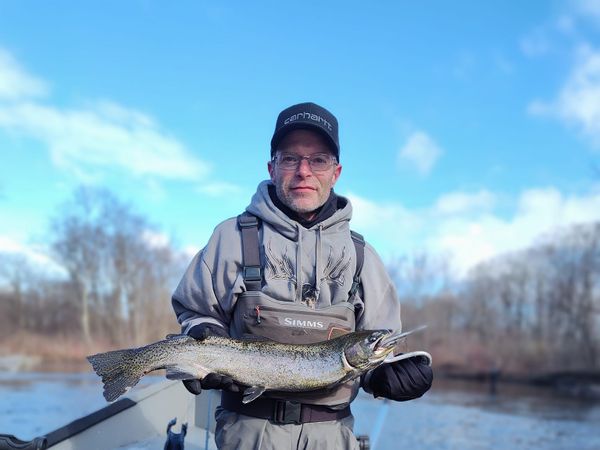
(100, 415)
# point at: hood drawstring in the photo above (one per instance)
(318, 268)
(299, 265)
(318, 264)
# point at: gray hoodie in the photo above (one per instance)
(312, 266)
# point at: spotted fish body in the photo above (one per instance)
(260, 365)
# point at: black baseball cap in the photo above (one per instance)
(307, 116)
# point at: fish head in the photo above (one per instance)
(370, 348)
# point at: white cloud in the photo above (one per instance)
(156, 239)
(219, 189)
(463, 202)
(37, 257)
(565, 27)
(391, 220)
(588, 8)
(420, 152)
(464, 226)
(566, 24)
(92, 139)
(538, 212)
(190, 251)
(578, 102)
(98, 137)
(551, 35)
(15, 82)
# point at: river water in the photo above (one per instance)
(453, 415)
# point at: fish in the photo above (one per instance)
(261, 365)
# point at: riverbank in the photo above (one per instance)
(39, 353)
(583, 385)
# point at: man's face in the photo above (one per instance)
(302, 189)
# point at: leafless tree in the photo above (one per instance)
(15, 275)
(537, 309)
(121, 275)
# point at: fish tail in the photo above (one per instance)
(118, 371)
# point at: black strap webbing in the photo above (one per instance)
(359, 245)
(252, 271)
(282, 411)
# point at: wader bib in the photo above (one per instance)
(257, 314)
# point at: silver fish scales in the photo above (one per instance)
(260, 365)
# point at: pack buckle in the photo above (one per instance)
(286, 412)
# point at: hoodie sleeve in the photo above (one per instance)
(381, 306)
(209, 288)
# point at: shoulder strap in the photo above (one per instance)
(252, 271)
(359, 245)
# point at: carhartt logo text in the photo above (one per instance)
(310, 116)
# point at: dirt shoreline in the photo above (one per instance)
(583, 385)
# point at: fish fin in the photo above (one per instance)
(117, 372)
(349, 376)
(252, 393)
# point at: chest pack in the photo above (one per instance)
(257, 314)
(252, 268)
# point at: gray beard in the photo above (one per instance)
(287, 202)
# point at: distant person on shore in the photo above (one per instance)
(289, 269)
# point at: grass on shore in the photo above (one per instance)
(43, 352)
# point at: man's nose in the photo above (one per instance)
(304, 168)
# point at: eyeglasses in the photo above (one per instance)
(319, 162)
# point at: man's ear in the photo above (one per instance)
(336, 174)
(271, 169)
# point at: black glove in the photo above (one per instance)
(204, 330)
(211, 380)
(402, 380)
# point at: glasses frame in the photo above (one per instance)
(332, 161)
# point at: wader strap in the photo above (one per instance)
(282, 411)
(252, 271)
(359, 245)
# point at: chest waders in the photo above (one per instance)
(257, 314)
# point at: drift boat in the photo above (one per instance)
(139, 422)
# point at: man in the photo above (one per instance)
(290, 270)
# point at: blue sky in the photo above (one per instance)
(467, 128)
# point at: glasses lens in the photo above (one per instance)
(288, 160)
(318, 162)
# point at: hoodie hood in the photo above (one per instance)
(263, 207)
(310, 266)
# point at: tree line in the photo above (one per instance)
(116, 281)
(528, 312)
(532, 311)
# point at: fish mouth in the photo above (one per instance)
(390, 341)
(381, 351)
